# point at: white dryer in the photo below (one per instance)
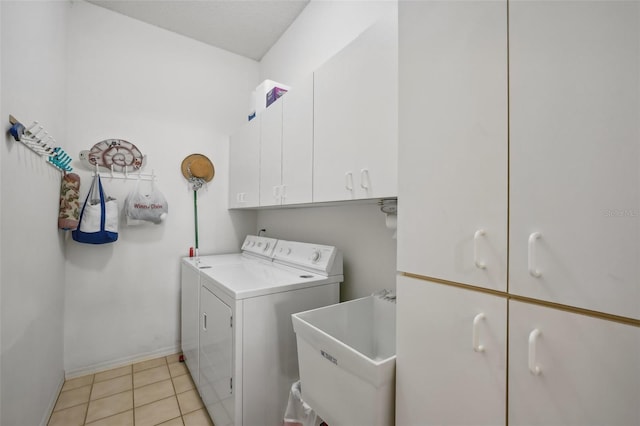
(254, 248)
(247, 347)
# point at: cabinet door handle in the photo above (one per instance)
(204, 321)
(476, 238)
(534, 368)
(348, 177)
(475, 333)
(283, 192)
(276, 192)
(364, 179)
(533, 271)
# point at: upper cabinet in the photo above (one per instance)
(286, 147)
(244, 166)
(575, 154)
(356, 118)
(452, 222)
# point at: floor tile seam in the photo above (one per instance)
(188, 412)
(75, 389)
(109, 416)
(162, 399)
(109, 396)
(151, 402)
(197, 396)
(147, 368)
(114, 377)
(133, 399)
(70, 406)
(151, 383)
(158, 400)
(119, 412)
(168, 420)
(72, 389)
(86, 412)
(105, 417)
(186, 370)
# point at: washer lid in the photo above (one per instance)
(254, 278)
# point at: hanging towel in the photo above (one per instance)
(69, 202)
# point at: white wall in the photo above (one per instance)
(32, 262)
(359, 231)
(171, 97)
(323, 28)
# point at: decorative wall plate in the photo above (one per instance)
(114, 154)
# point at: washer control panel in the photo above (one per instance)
(262, 246)
(308, 256)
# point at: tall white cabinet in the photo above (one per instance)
(453, 141)
(575, 154)
(549, 155)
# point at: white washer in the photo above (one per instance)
(247, 347)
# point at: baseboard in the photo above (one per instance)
(52, 403)
(103, 366)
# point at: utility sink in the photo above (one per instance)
(347, 358)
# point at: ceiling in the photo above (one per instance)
(246, 27)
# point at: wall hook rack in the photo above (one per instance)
(38, 140)
(125, 175)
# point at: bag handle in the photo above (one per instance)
(86, 200)
(103, 209)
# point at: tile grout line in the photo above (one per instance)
(92, 383)
(175, 393)
(86, 412)
(133, 397)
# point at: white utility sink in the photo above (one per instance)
(347, 358)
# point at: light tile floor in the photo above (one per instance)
(155, 392)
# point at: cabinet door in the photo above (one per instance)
(355, 113)
(190, 302)
(216, 362)
(588, 369)
(575, 153)
(297, 143)
(452, 215)
(271, 154)
(244, 166)
(451, 355)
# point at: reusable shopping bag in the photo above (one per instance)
(98, 222)
(150, 207)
